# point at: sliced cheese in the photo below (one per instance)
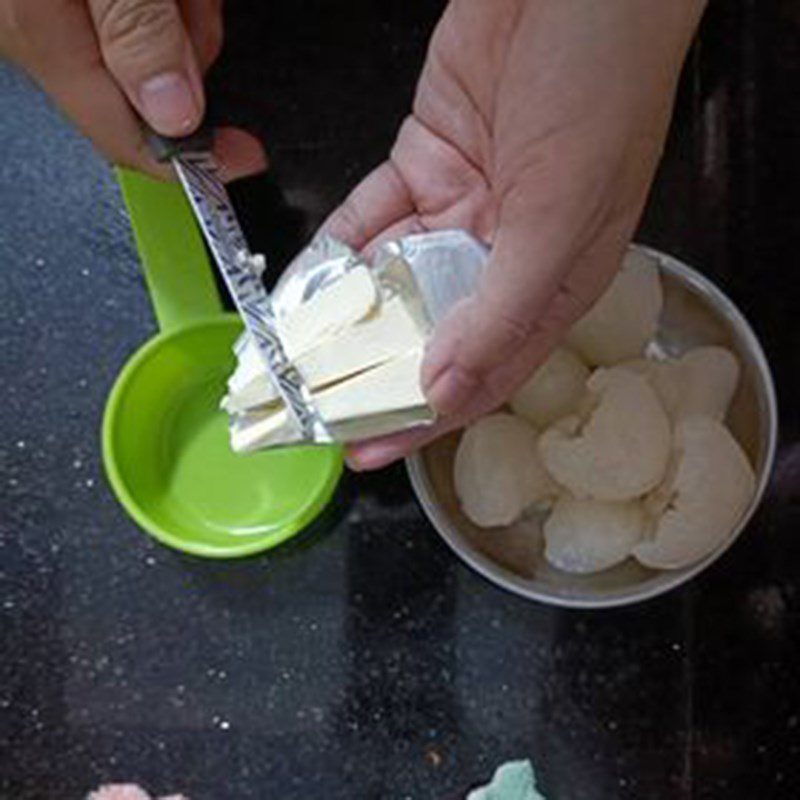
(340, 305)
(333, 309)
(367, 344)
(389, 388)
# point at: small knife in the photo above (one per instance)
(192, 159)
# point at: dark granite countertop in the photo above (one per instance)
(371, 663)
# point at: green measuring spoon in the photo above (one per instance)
(165, 441)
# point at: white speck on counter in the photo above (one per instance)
(39, 262)
(150, 561)
(85, 272)
(77, 463)
(21, 444)
(89, 483)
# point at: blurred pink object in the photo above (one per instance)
(127, 791)
(119, 791)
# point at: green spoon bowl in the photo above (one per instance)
(165, 441)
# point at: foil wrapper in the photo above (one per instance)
(241, 270)
(429, 272)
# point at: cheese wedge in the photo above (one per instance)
(337, 306)
(333, 309)
(386, 389)
(389, 333)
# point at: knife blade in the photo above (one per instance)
(198, 173)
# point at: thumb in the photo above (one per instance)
(537, 283)
(147, 49)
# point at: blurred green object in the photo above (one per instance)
(165, 441)
(512, 781)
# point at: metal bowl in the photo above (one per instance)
(695, 313)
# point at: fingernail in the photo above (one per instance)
(169, 104)
(451, 391)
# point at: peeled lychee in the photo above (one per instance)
(554, 390)
(709, 486)
(585, 536)
(498, 473)
(620, 450)
(625, 318)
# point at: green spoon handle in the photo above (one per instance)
(176, 265)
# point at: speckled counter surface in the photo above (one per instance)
(368, 662)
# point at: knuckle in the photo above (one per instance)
(10, 19)
(131, 28)
(567, 306)
(209, 45)
(507, 311)
(20, 24)
(348, 222)
(11, 29)
(512, 329)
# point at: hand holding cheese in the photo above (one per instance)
(537, 125)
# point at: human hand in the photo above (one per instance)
(537, 125)
(105, 61)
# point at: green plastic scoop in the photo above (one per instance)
(165, 441)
